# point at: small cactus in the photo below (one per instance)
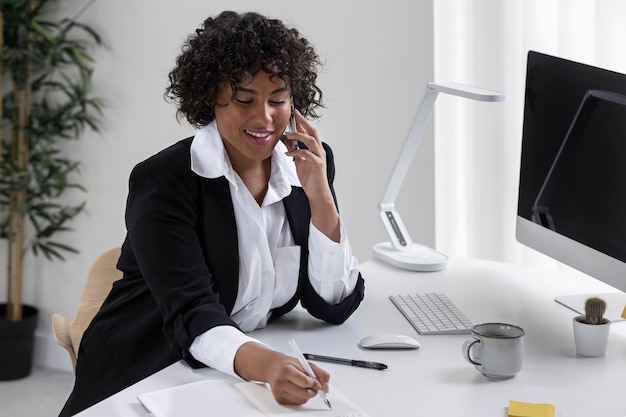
(594, 310)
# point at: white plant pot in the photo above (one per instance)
(591, 339)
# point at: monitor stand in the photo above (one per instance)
(615, 303)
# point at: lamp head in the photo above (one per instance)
(466, 91)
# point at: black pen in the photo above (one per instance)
(351, 362)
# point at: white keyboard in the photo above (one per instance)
(432, 313)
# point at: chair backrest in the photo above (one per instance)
(98, 285)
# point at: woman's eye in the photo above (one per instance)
(242, 100)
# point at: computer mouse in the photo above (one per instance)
(389, 341)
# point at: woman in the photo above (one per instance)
(229, 228)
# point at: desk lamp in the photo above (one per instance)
(401, 251)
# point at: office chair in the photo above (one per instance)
(99, 282)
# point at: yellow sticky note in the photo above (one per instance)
(522, 409)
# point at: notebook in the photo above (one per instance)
(245, 399)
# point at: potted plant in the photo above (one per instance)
(46, 73)
(591, 331)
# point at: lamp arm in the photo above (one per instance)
(397, 231)
(410, 147)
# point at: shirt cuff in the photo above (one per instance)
(217, 347)
(333, 271)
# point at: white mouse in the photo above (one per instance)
(389, 341)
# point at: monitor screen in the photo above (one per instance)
(572, 185)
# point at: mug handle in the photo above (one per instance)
(467, 346)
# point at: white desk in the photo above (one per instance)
(435, 380)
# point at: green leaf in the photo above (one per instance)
(43, 32)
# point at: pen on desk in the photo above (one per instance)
(307, 368)
(351, 362)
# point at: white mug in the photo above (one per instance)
(495, 349)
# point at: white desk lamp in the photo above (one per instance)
(401, 251)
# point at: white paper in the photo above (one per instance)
(221, 398)
(199, 399)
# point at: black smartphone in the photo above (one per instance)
(291, 127)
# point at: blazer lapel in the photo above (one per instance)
(220, 239)
(298, 215)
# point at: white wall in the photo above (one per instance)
(378, 59)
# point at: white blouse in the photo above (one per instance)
(269, 260)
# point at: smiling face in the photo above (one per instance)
(253, 121)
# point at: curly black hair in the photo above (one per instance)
(232, 47)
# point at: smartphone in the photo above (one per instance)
(291, 127)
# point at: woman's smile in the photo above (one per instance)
(259, 137)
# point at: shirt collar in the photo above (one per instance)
(209, 159)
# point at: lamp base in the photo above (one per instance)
(419, 258)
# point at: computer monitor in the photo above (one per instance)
(572, 184)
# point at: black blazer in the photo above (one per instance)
(180, 265)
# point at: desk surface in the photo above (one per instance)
(436, 379)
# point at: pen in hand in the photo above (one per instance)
(307, 368)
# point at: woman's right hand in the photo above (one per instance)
(288, 381)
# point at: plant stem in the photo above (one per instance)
(17, 240)
(1, 125)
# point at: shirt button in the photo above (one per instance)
(266, 274)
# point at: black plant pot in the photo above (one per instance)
(16, 344)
